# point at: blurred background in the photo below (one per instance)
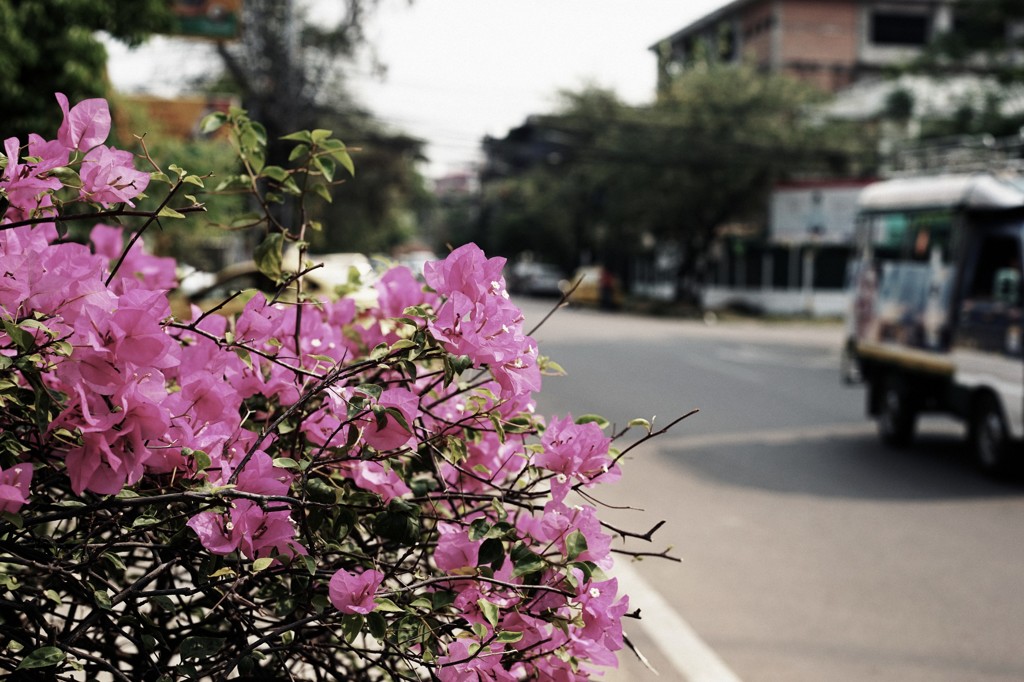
(706, 153)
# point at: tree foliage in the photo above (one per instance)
(610, 177)
(51, 46)
(986, 41)
(987, 38)
(289, 69)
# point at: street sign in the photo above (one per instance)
(216, 19)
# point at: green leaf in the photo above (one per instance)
(489, 611)
(168, 212)
(300, 136)
(202, 460)
(478, 529)
(593, 419)
(492, 553)
(115, 561)
(508, 637)
(22, 339)
(372, 390)
(337, 150)
(326, 166)
(319, 135)
(499, 428)
(351, 625)
(321, 491)
(550, 368)
(397, 524)
(200, 647)
(53, 596)
(323, 192)
(387, 606)
(285, 463)
(262, 564)
(525, 562)
(212, 122)
(193, 180)
(276, 173)
(298, 151)
(643, 423)
(268, 256)
(102, 600)
(377, 625)
(144, 520)
(575, 544)
(43, 657)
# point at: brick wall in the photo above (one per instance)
(821, 33)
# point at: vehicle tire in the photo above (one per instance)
(849, 371)
(990, 437)
(896, 416)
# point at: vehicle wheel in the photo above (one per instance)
(990, 437)
(849, 372)
(896, 417)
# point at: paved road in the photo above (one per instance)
(810, 552)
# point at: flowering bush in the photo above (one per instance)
(313, 489)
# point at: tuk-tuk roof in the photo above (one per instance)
(976, 191)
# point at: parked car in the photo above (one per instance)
(340, 273)
(594, 286)
(534, 279)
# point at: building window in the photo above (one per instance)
(894, 28)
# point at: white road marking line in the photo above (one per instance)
(799, 434)
(678, 642)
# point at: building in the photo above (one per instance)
(829, 43)
(847, 48)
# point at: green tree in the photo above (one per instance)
(706, 153)
(986, 41)
(985, 37)
(51, 46)
(289, 69)
(381, 206)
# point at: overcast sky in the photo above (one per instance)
(461, 69)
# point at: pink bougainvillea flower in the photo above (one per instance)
(109, 176)
(601, 633)
(376, 478)
(264, 533)
(214, 532)
(249, 529)
(14, 487)
(489, 463)
(398, 289)
(388, 432)
(26, 191)
(468, 271)
(575, 451)
(454, 548)
(463, 662)
(262, 477)
(85, 125)
(354, 592)
(154, 273)
(478, 320)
